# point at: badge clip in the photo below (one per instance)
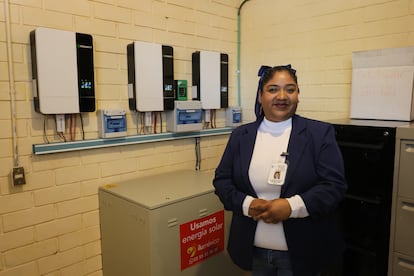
(278, 171)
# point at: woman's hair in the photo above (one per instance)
(266, 73)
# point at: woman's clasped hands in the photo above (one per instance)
(270, 211)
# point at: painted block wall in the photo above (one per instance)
(50, 226)
(318, 38)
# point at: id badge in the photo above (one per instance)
(277, 173)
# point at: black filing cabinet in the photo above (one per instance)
(368, 149)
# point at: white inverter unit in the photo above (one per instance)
(62, 71)
(145, 76)
(206, 68)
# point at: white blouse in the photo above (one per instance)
(271, 141)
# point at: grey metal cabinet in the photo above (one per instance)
(401, 261)
(141, 221)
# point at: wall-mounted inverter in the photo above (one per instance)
(150, 76)
(210, 79)
(84, 50)
(62, 71)
(224, 80)
(168, 76)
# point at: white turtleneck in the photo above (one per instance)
(271, 141)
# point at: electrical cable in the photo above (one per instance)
(160, 122)
(138, 118)
(198, 153)
(82, 130)
(45, 139)
(205, 123)
(74, 126)
(213, 118)
(143, 122)
(155, 121)
(142, 118)
(60, 134)
(72, 130)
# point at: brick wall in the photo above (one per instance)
(50, 226)
(318, 38)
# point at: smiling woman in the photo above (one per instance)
(282, 176)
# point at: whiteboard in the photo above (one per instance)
(382, 84)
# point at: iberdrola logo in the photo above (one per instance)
(191, 251)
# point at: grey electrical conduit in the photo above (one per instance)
(11, 82)
(238, 53)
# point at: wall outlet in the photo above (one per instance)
(18, 176)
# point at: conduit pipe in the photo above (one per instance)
(238, 53)
(11, 82)
(198, 153)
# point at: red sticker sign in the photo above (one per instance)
(201, 239)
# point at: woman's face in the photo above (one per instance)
(279, 97)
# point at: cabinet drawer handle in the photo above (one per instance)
(408, 206)
(406, 264)
(203, 212)
(172, 222)
(409, 148)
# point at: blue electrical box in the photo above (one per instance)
(112, 123)
(233, 116)
(186, 116)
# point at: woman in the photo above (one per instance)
(282, 225)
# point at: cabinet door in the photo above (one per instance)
(406, 171)
(404, 242)
(403, 265)
(166, 240)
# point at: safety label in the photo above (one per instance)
(201, 239)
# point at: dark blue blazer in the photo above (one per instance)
(315, 172)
